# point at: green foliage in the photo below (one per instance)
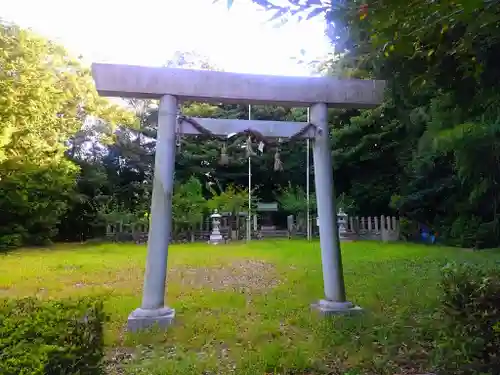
(347, 204)
(368, 156)
(33, 200)
(232, 199)
(408, 229)
(434, 142)
(430, 153)
(115, 214)
(294, 200)
(188, 203)
(469, 342)
(56, 337)
(71, 163)
(45, 98)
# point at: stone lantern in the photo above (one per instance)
(215, 236)
(342, 224)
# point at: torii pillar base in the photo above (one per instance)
(330, 308)
(141, 319)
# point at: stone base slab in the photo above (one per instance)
(216, 239)
(141, 319)
(328, 308)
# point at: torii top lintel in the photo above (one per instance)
(223, 87)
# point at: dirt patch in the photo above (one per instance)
(243, 275)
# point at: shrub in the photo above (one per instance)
(408, 229)
(51, 337)
(469, 341)
(464, 231)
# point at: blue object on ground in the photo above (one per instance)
(427, 237)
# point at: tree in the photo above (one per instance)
(430, 151)
(45, 97)
(188, 205)
(232, 200)
(294, 200)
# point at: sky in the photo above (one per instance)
(149, 32)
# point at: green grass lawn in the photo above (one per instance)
(244, 309)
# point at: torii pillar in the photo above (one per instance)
(172, 86)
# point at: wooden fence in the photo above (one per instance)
(201, 233)
(383, 228)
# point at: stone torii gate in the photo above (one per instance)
(171, 86)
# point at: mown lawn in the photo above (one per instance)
(244, 309)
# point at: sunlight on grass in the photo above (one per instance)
(244, 308)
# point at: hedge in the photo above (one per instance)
(51, 337)
(469, 333)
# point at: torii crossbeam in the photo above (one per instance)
(172, 86)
